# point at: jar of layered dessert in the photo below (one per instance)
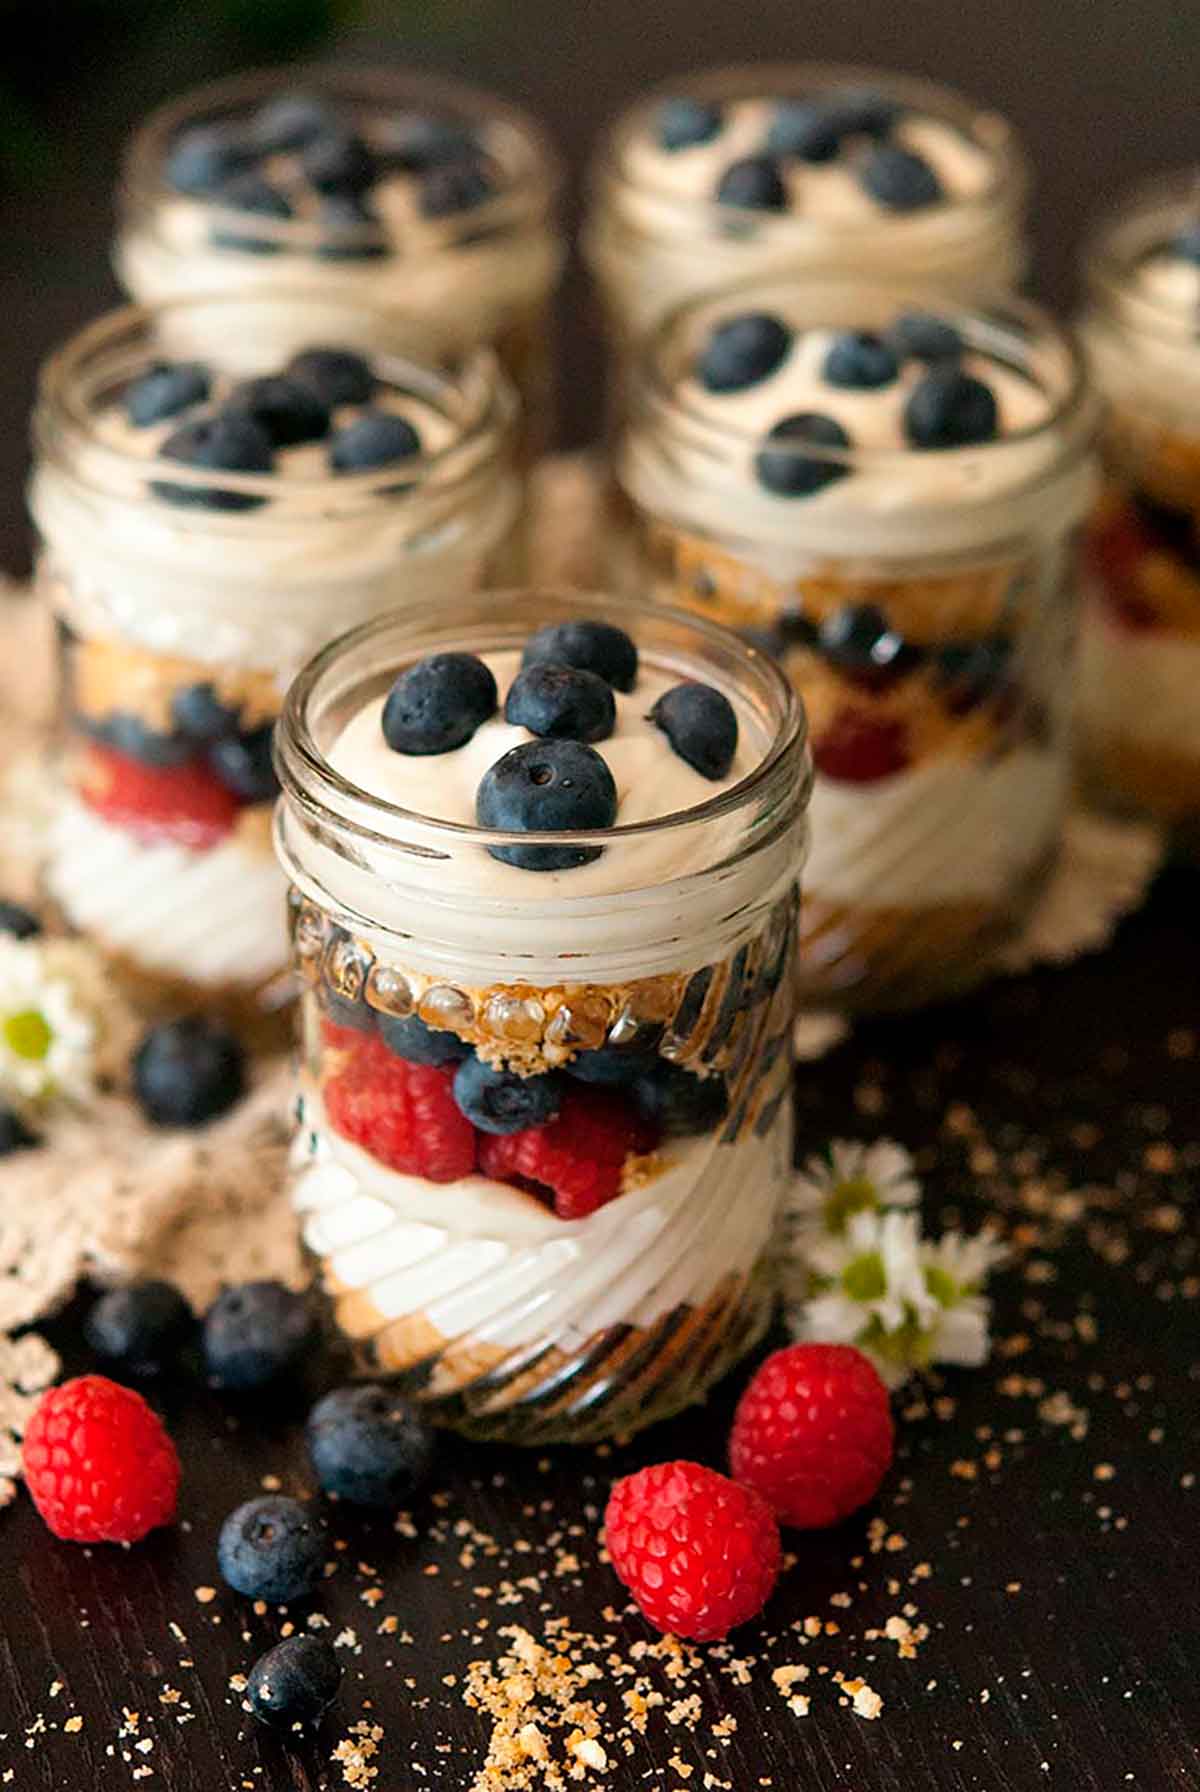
(205, 526)
(846, 174)
(544, 853)
(1140, 663)
(888, 503)
(355, 186)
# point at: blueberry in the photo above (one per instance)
(755, 184)
(499, 1101)
(919, 336)
(348, 1011)
(546, 786)
(437, 704)
(590, 646)
(782, 466)
(286, 409)
(14, 1134)
(134, 739)
(949, 409)
(198, 713)
(244, 764)
(810, 130)
(860, 642)
(1186, 243)
(21, 923)
(417, 141)
(167, 387)
(864, 112)
(290, 121)
(701, 726)
(142, 1326)
(188, 1071)
(561, 703)
(743, 350)
(335, 375)
(454, 187)
(410, 1038)
(272, 1548)
(204, 157)
(860, 361)
(229, 441)
(369, 1447)
(250, 193)
(682, 123)
(610, 1066)
(254, 1333)
(350, 230)
(291, 1686)
(338, 161)
(972, 672)
(374, 439)
(899, 179)
(679, 1101)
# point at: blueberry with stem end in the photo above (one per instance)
(499, 1101)
(561, 703)
(369, 1446)
(255, 1333)
(272, 1548)
(547, 786)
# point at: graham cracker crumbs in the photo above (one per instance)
(73, 1725)
(544, 1733)
(355, 1754)
(205, 1595)
(864, 1700)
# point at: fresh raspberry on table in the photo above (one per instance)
(860, 749)
(575, 1160)
(699, 1553)
(99, 1465)
(404, 1114)
(813, 1433)
(182, 803)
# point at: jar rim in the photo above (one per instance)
(1124, 233)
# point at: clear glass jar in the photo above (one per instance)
(504, 1316)
(181, 621)
(657, 237)
(1140, 660)
(922, 599)
(466, 274)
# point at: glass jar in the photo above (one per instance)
(1140, 661)
(922, 598)
(445, 218)
(186, 597)
(657, 235)
(602, 1270)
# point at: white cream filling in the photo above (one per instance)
(1139, 685)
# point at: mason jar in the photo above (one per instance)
(187, 594)
(889, 503)
(606, 1262)
(356, 186)
(1139, 720)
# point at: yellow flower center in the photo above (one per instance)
(864, 1279)
(854, 1194)
(27, 1034)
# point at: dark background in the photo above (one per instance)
(1104, 92)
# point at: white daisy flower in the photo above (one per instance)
(853, 1178)
(47, 1031)
(955, 1270)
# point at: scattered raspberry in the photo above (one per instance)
(99, 1464)
(576, 1160)
(404, 1114)
(860, 749)
(1117, 548)
(183, 803)
(699, 1553)
(813, 1433)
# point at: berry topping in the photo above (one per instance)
(918, 336)
(293, 1684)
(437, 704)
(334, 374)
(272, 1548)
(254, 1333)
(189, 1071)
(813, 1433)
(455, 187)
(973, 672)
(133, 739)
(249, 192)
(98, 1463)
(412, 1040)
(19, 922)
(168, 387)
(590, 646)
(864, 112)
(575, 1162)
(544, 786)
(678, 1103)
(417, 141)
(368, 1446)
(699, 1553)
(342, 1013)
(499, 1101)
(681, 123)
(742, 351)
(782, 465)
(860, 642)
(14, 1134)
(199, 714)
(755, 184)
(204, 157)
(861, 749)
(285, 409)
(810, 130)
(143, 1326)
(860, 361)
(374, 439)
(701, 725)
(244, 765)
(949, 409)
(350, 229)
(289, 122)
(185, 804)
(231, 441)
(611, 1067)
(899, 179)
(561, 703)
(338, 161)
(404, 1114)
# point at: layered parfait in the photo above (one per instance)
(545, 861)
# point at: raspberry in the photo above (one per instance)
(576, 1160)
(404, 1114)
(813, 1433)
(860, 749)
(1118, 548)
(699, 1553)
(183, 803)
(99, 1465)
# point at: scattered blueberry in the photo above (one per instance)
(350, 229)
(374, 439)
(860, 642)
(680, 1102)
(899, 179)
(291, 1686)
(198, 713)
(204, 157)
(860, 361)
(369, 1447)
(1186, 243)
(972, 672)
(681, 123)
(590, 646)
(417, 141)
(410, 1038)
(134, 739)
(755, 183)
(743, 350)
(188, 1071)
(244, 764)
(167, 387)
(229, 441)
(18, 921)
(272, 1548)
(810, 130)
(338, 161)
(546, 786)
(561, 703)
(286, 409)
(254, 1333)
(949, 409)
(437, 704)
(290, 122)
(250, 192)
(864, 112)
(500, 1101)
(452, 187)
(610, 1066)
(701, 726)
(782, 465)
(143, 1326)
(335, 375)
(14, 1134)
